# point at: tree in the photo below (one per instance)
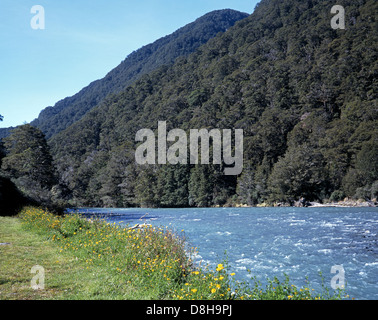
(366, 162)
(28, 162)
(112, 177)
(247, 186)
(172, 186)
(2, 149)
(145, 187)
(252, 184)
(11, 199)
(300, 173)
(2, 152)
(201, 186)
(361, 181)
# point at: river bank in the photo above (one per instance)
(86, 260)
(346, 203)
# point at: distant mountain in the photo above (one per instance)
(304, 94)
(164, 51)
(5, 132)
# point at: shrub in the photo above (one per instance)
(74, 224)
(337, 196)
(374, 190)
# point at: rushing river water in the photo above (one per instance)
(300, 242)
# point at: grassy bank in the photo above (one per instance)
(66, 277)
(95, 260)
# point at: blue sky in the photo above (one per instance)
(82, 41)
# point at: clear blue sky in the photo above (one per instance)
(82, 41)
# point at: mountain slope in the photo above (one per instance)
(304, 94)
(163, 51)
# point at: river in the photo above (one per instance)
(300, 242)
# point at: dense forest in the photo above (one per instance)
(304, 94)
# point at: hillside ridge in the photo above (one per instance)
(161, 52)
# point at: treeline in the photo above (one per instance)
(28, 175)
(304, 94)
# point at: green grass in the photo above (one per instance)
(89, 260)
(64, 275)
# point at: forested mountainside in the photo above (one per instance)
(162, 52)
(304, 94)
